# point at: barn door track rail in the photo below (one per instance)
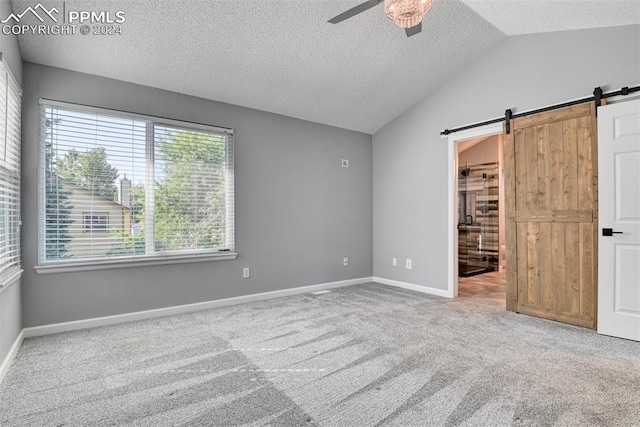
(597, 98)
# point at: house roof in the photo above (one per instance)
(282, 56)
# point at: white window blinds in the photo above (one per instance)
(9, 175)
(122, 185)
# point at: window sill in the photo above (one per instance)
(72, 267)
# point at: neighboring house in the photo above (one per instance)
(97, 221)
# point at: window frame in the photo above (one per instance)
(156, 258)
(10, 170)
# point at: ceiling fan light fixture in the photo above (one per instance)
(406, 13)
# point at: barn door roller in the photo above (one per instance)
(597, 98)
(507, 120)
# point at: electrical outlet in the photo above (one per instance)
(345, 163)
(408, 264)
(394, 262)
(246, 273)
(345, 261)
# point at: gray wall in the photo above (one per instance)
(10, 317)
(10, 313)
(410, 159)
(9, 45)
(298, 212)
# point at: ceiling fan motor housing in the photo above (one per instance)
(406, 13)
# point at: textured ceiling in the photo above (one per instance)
(279, 56)
(282, 56)
(538, 16)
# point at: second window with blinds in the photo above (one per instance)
(124, 186)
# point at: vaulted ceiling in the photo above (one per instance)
(283, 57)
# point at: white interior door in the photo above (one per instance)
(619, 211)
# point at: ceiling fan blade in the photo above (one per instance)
(413, 30)
(354, 11)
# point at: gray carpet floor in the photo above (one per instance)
(362, 355)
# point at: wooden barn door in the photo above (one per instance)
(551, 210)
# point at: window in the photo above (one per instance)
(9, 176)
(95, 222)
(123, 186)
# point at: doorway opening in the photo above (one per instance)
(479, 219)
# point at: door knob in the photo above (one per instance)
(610, 232)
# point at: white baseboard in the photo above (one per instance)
(424, 289)
(187, 308)
(13, 351)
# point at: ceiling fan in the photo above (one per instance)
(406, 14)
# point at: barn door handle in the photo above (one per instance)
(610, 232)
